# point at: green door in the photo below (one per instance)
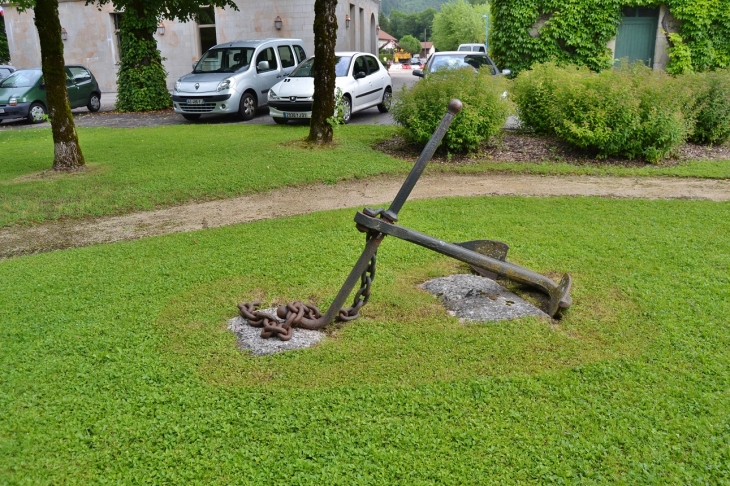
(637, 35)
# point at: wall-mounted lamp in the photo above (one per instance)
(277, 23)
(161, 29)
(64, 34)
(347, 21)
(377, 29)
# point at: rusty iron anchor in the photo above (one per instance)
(487, 256)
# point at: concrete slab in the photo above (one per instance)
(249, 337)
(479, 299)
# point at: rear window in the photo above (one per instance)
(22, 79)
(457, 61)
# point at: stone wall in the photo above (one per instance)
(91, 39)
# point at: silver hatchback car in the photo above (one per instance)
(235, 77)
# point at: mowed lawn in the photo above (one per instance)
(147, 168)
(116, 366)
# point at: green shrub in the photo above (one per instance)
(712, 108)
(420, 109)
(630, 110)
(534, 92)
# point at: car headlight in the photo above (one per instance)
(225, 84)
(13, 101)
(273, 95)
(178, 85)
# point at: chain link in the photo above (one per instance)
(298, 314)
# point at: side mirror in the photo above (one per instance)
(506, 72)
(263, 66)
(418, 72)
(360, 75)
(42, 86)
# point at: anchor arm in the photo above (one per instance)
(559, 293)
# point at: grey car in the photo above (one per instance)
(458, 59)
(235, 77)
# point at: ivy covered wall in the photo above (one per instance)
(525, 32)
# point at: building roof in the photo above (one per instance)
(383, 35)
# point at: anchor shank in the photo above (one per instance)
(371, 247)
(506, 269)
(423, 159)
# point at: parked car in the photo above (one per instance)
(472, 47)
(458, 59)
(23, 93)
(235, 77)
(415, 61)
(364, 82)
(6, 71)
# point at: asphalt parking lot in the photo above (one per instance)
(107, 117)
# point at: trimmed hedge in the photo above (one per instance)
(485, 108)
(629, 111)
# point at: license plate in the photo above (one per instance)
(194, 102)
(294, 115)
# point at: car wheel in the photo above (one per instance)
(36, 113)
(191, 116)
(247, 108)
(279, 120)
(384, 106)
(94, 103)
(346, 109)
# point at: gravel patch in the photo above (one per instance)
(478, 299)
(249, 337)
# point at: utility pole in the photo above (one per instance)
(486, 38)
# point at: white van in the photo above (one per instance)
(235, 77)
(472, 47)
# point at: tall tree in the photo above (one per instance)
(67, 154)
(459, 23)
(142, 79)
(325, 39)
(410, 44)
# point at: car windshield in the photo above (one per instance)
(456, 61)
(225, 60)
(306, 69)
(22, 79)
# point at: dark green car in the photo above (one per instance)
(23, 93)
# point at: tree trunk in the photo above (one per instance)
(325, 38)
(66, 150)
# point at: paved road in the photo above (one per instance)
(106, 117)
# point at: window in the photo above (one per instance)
(269, 56)
(372, 64)
(360, 65)
(300, 53)
(79, 74)
(117, 21)
(206, 28)
(286, 56)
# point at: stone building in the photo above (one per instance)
(90, 34)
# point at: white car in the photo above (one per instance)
(361, 77)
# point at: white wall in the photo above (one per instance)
(91, 40)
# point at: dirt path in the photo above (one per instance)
(379, 191)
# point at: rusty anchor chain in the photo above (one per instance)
(306, 316)
(487, 256)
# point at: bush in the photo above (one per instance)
(712, 108)
(485, 108)
(535, 95)
(630, 111)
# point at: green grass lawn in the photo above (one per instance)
(146, 168)
(116, 365)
